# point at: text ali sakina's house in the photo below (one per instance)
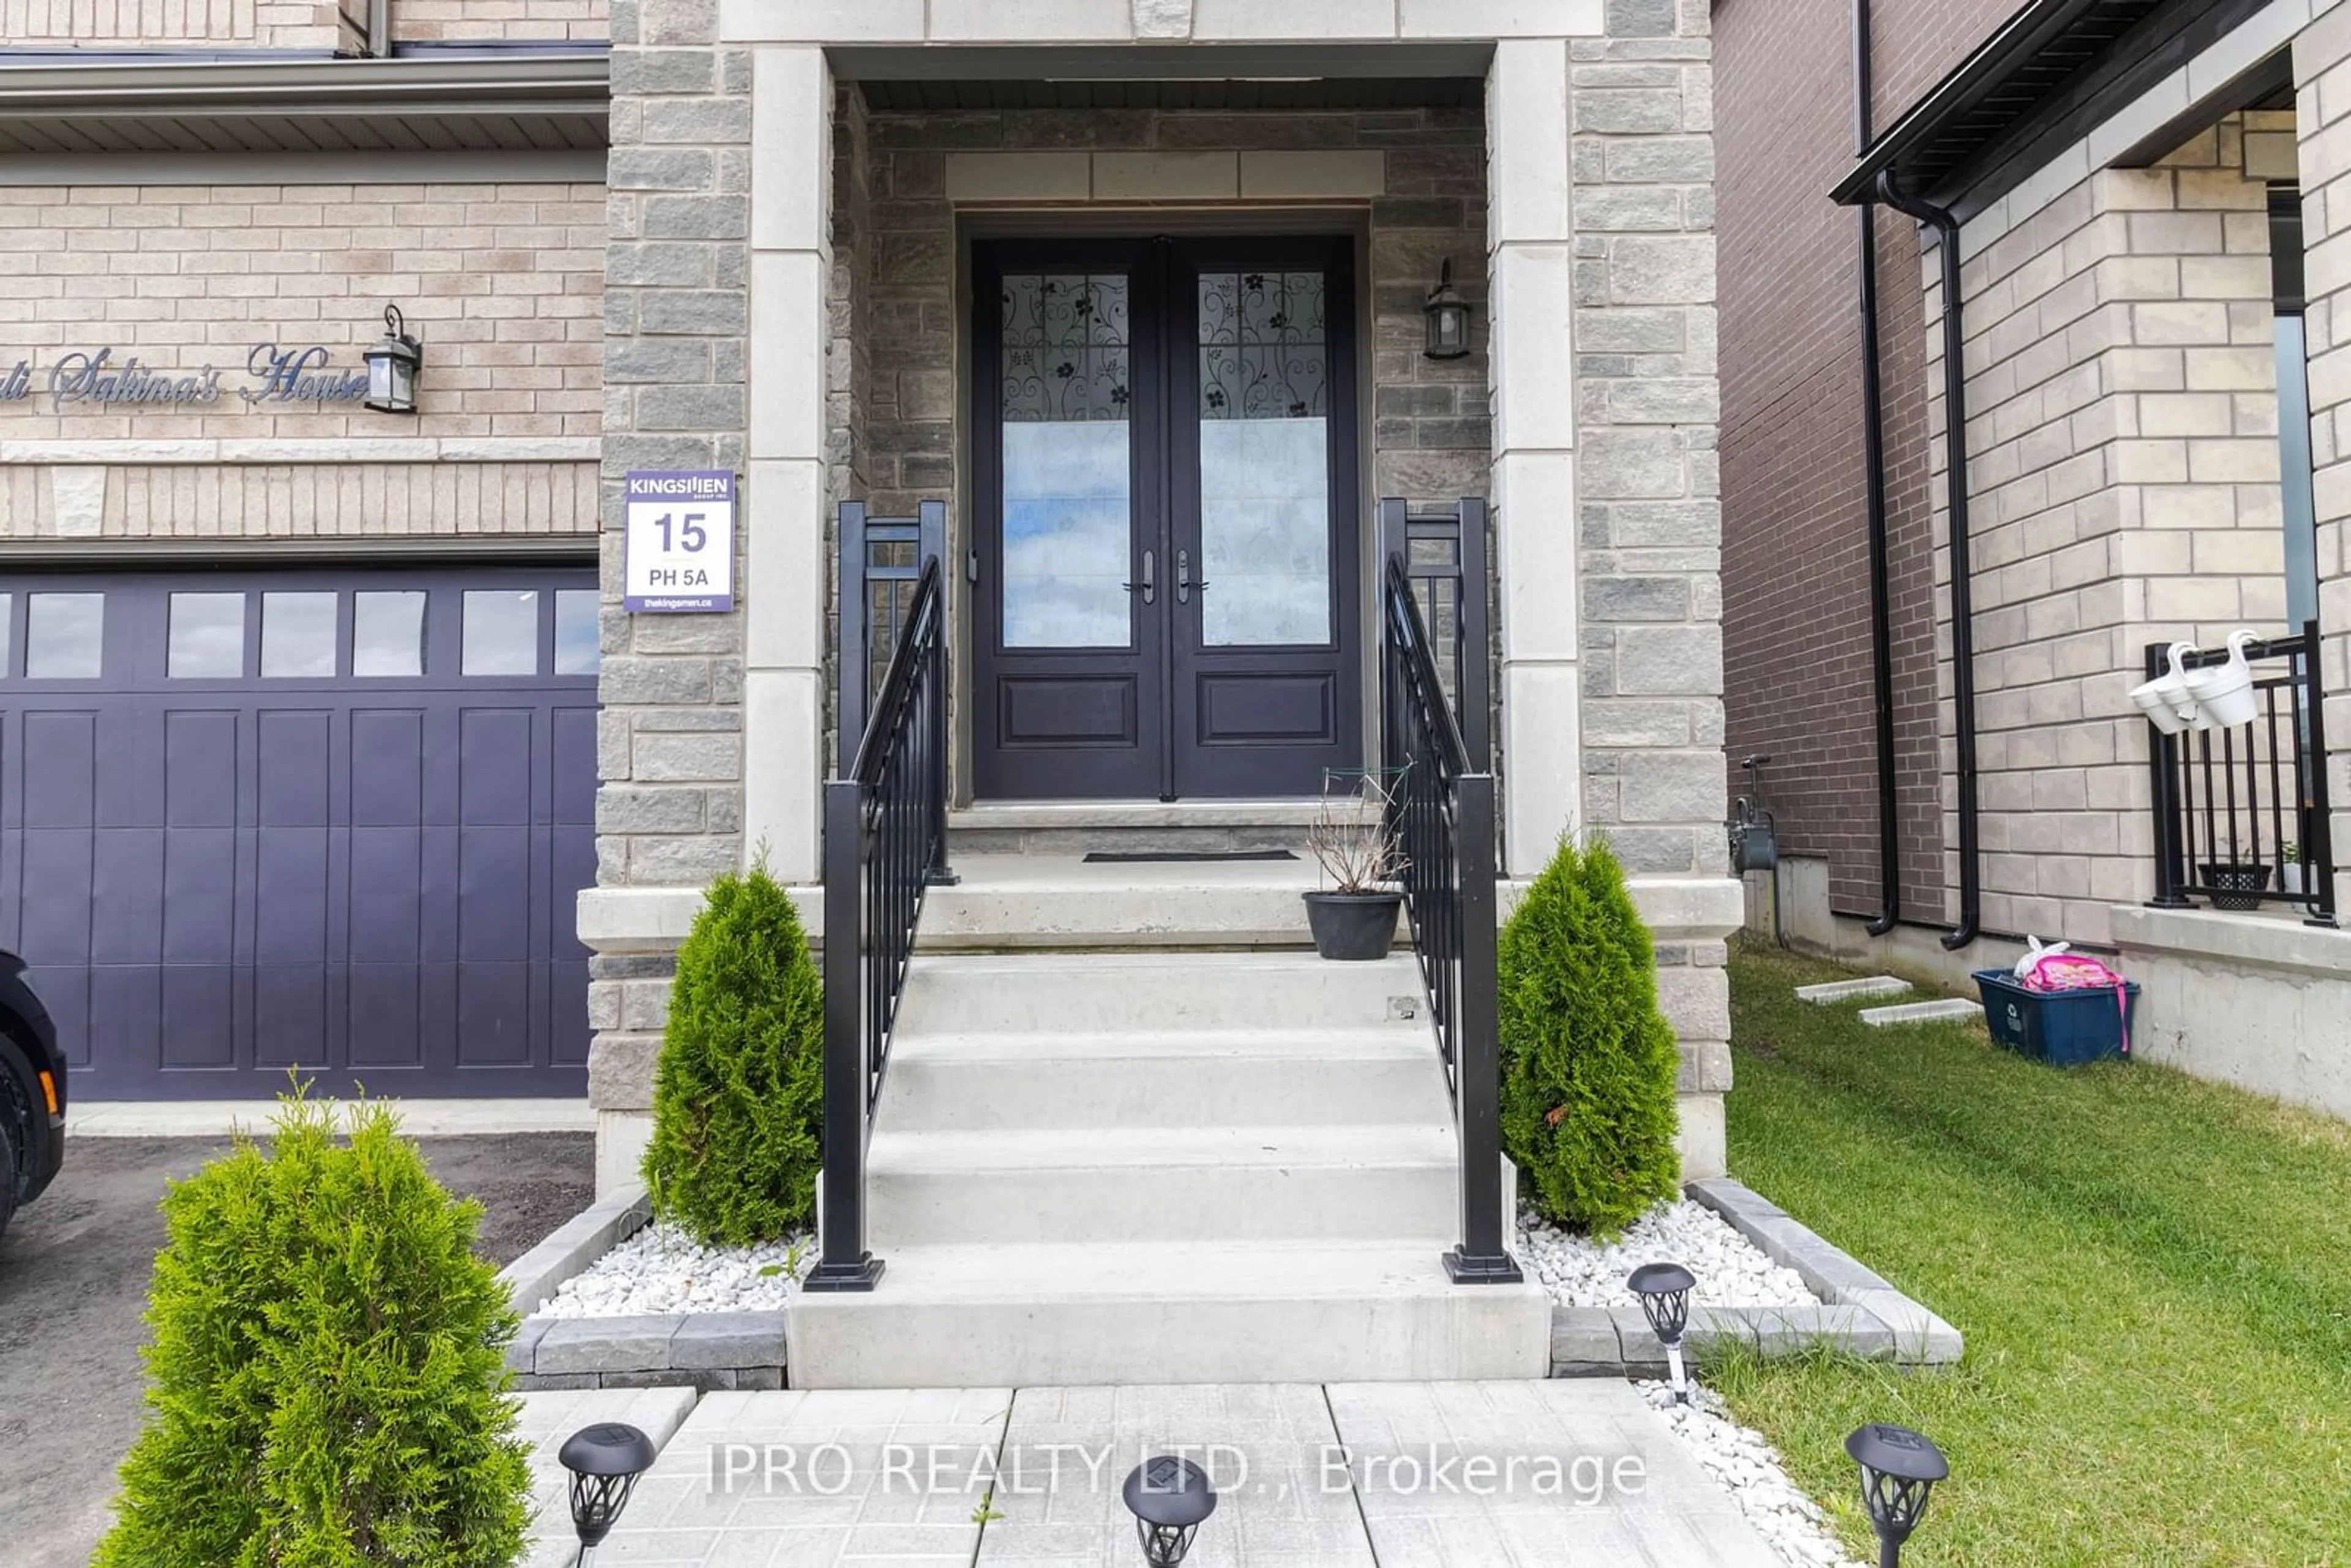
(1085, 359)
(2096, 414)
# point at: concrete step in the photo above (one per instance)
(972, 1083)
(1012, 902)
(1944, 1008)
(1113, 993)
(1076, 827)
(1188, 1183)
(1833, 992)
(1156, 1312)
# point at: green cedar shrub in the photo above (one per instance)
(328, 1367)
(738, 1096)
(1588, 1062)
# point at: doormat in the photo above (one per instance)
(1124, 857)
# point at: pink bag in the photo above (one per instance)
(2053, 968)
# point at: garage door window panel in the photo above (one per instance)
(298, 635)
(207, 637)
(501, 634)
(65, 637)
(388, 635)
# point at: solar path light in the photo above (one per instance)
(1168, 1497)
(1665, 1293)
(605, 1461)
(1899, 1469)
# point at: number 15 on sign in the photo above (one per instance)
(681, 541)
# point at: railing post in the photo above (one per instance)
(1473, 656)
(852, 649)
(935, 869)
(2162, 760)
(2318, 853)
(1481, 1258)
(843, 1262)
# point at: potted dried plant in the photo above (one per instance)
(1354, 918)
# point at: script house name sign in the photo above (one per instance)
(274, 377)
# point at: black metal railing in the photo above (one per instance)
(2241, 814)
(881, 561)
(1444, 556)
(1442, 812)
(886, 842)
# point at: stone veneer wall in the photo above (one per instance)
(1599, 255)
(2124, 472)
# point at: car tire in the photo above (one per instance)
(7, 1173)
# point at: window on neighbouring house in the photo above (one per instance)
(2300, 504)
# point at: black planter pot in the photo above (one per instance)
(2245, 882)
(1352, 927)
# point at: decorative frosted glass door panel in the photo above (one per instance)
(1068, 465)
(1165, 517)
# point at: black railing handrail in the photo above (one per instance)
(1461, 530)
(2209, 809)
(918, 539)
(885, 846)
(1442, 811)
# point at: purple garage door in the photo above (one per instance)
(326, 820)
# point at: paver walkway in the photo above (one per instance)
(1393, 1475)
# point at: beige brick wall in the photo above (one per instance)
(502, 284)
(2322, 69)
(305, 500)
(311, 25)
(2124, 468)
(447, 20)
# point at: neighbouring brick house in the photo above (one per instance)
(2142, 196)
(329, 725)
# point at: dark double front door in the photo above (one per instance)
(1167, 547)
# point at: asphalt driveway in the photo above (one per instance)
(73, 1285)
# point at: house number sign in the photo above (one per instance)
(681, 540)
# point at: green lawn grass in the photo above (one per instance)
(2153, 1274)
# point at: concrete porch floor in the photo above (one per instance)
(1308, 1476)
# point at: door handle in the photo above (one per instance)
(1148, 587)
(1184, 583)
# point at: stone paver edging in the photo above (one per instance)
(674, 1350)
(1860, 1312)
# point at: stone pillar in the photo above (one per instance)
(790, 266)
(669, 740)
(1607, 489)
(2321, 74)
(1531, 262)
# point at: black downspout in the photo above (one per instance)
(1873, 467)
(1963, 639)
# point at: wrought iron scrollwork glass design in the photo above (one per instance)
(1067, 481)
(1265, 458)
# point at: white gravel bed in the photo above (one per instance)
(662, 1269)
(1732, 1270)
(1747, 1468)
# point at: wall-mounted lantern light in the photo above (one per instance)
(392, 366)
(605, 1461)
(1448, 318)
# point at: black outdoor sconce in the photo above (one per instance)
(392, 366)
(1448, 318)
(1168, 1497)
(1899, 1469)
(1665, 1291)
(605, 1461)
